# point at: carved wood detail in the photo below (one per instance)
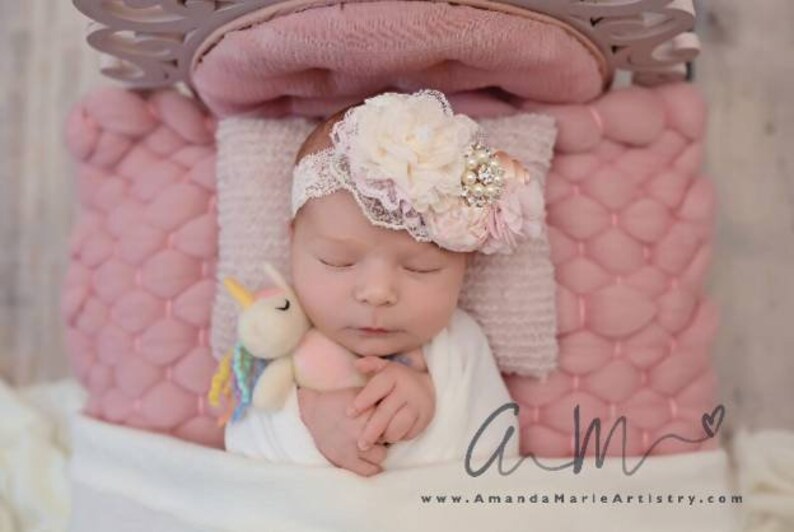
(153, 42)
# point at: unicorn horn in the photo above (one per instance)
(238, 292)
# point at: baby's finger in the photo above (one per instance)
(379, 421)
(415, 429)
(364, 468)
(376, 389)
(401, 423)
(370, 364)
(375, 455)
(421, 421)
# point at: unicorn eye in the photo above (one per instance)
(285, 307)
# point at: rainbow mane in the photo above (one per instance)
(234, 380)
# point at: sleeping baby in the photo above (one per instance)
(389, 200)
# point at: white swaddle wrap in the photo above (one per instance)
(468, 389)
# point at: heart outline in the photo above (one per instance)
(712, 421)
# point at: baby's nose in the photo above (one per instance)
(376, 286)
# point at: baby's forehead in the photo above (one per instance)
(337, 219)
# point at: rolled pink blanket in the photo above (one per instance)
(317, 61)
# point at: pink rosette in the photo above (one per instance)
(514, 217)
(533, 206)
(497, 228)
(460, 229)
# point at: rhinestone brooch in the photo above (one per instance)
(483, 179)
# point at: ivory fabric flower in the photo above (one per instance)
(413, 140)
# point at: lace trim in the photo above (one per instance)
(325, 172)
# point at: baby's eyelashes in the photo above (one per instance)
(339, 264)
(420, 269)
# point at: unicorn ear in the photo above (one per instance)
(276, 277)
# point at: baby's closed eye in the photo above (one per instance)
(336, 262)
(420, 268)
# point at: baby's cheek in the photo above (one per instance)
(434, 310)
(314, 290)
(323, 306)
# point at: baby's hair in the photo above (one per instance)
(320, 137)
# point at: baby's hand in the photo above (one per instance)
(407, 402)
(336, 434)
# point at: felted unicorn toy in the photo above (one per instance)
(276, 349)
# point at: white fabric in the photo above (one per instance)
(468, 389)
(173, 486)
(766, 475)
(34, 447)
(129, 481)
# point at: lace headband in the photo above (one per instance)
(412, 164)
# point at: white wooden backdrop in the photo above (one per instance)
(45, 66)
(746, 71)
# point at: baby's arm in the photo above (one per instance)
(403, 397)
(336, 434)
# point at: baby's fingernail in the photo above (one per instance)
(351, 411)
(363, 446)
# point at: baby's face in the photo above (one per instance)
(373, 290)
